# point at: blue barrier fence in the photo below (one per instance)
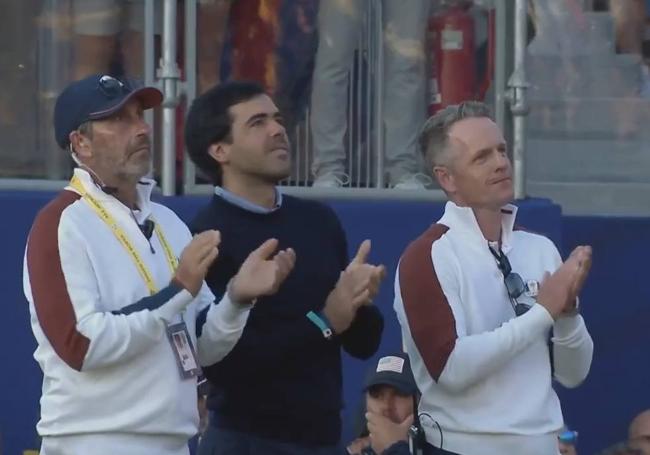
(615, 302)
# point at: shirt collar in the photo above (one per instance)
(463, 218)
(247, 205)
(144, 189)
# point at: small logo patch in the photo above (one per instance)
(532, 288)
(390, 363)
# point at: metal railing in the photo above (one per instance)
(364, 115)
(365, 138)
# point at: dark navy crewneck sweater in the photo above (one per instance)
(283, 379)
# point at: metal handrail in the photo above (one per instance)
(306, 192)
(348, 193)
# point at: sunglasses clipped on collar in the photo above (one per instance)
(514, 283)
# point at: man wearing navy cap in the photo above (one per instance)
(391, 402)
(115, 287)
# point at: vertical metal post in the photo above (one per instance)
(500, 64)
(308, 160)
(355, 90)
(149, 62)
(519, 99)
(352, 129)
(298, 145)
(54, 54)
(149, 48)
(189, 171)
(378, 23)
(169, 75)
(367, 88)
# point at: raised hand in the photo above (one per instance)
(195, 260)
(583, 256)
(559, 290)
(262, 272)
(384, 432)
(364, 274)
(358, 285)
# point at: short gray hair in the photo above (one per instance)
(434, 135)
(86, 128)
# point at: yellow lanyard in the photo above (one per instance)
(121, 236)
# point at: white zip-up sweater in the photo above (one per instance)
(484, 374)
(108, 366)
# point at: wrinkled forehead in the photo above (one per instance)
(476, 133)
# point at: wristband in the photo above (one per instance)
(321, 324)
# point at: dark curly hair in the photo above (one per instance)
(209, 121)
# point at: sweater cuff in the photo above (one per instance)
(566, 328)
(176, 304)
(231, 313)
(536, 320)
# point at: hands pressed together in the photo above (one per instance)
(559, 290)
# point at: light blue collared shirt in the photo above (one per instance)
(245, 204)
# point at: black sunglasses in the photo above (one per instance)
(514, 283)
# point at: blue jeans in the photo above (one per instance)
(219, 441)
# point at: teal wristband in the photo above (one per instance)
(321, 324)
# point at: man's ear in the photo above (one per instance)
(80, 144)
(445, 179)
(219, 152)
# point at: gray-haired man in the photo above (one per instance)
(478, 299)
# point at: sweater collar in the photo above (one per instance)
(144, 189)
(463, 219)
(245, 204)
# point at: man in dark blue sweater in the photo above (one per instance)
(279, 391)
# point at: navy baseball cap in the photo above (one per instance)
(393, 370)
(94, 98)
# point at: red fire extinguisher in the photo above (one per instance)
(452, 69)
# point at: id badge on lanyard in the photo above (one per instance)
(181, 343)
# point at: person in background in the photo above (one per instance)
(630, 18)
(391, 398)
(639, 433)
(339, 25)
